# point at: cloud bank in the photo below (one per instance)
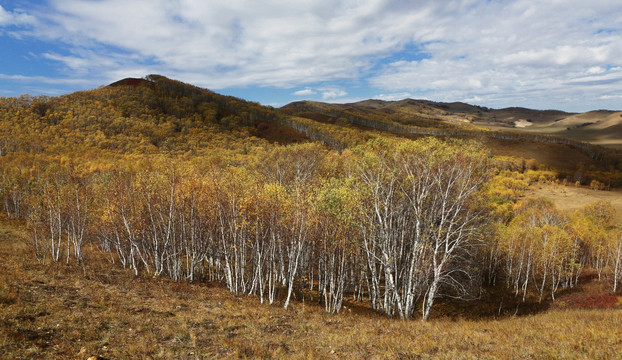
(553, 54)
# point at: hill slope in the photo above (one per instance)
(156, 114)
(597, 127)
(51, 312)
(516, 132)
(137, 115)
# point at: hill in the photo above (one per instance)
(595, 127)
(149, 115)
(516, 132)
(151, 188)
(158, 114)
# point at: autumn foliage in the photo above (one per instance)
(169, 180)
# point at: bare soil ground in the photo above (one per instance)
(279, 134)
(73, 312)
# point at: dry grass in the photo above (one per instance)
(559, 156)
(596, 127)
(59, 311)
(571, 198)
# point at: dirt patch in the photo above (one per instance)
(279, 329)
(592, 302)
(130, 82)
(521, 123)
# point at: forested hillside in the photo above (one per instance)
(574, 156)
(170, 180)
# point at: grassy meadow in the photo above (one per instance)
(571, 198)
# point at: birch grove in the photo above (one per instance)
(397, 225)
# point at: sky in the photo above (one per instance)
(554, 54)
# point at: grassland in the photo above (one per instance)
(571, 198)
(73, 312)
(596, 127)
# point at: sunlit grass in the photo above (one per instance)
(59, 311)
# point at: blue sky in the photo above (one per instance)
(557, 54)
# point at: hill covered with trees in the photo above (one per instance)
(312, 202)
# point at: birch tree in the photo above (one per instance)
(336, 241)
(442, 185)
(615, 248)
(422, 220)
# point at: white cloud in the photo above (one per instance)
(474, 100)
(18, 18)
(8, 18)
(5, 17)
(332, 92)
(72, 62)
(45, 79)
(233, 43)
(504, 52)
(393, 96)
(305, 92)
(516, 53)
(105, 65)
(595, 70)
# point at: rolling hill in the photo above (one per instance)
(600, 127)
(159, 114)
(515, 132)
(154, 218)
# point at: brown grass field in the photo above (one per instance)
(559, 156)
(571, 198)
(70, 312)
(597, 127)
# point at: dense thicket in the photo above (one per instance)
(169, 180)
